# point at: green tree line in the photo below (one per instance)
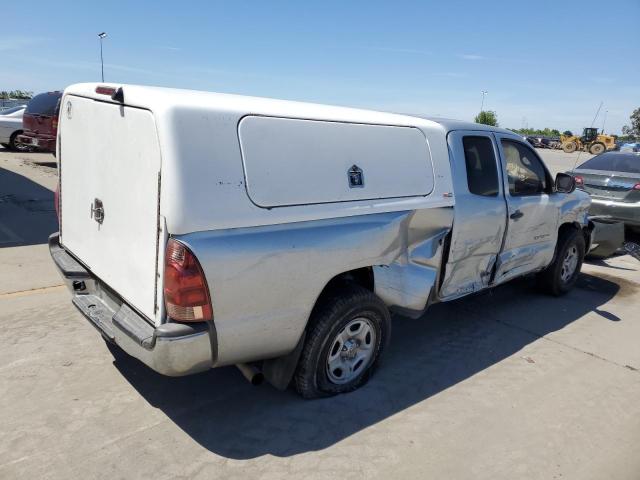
(17, 94)
(537, 132)
(633, 130)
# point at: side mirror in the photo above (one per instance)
(565, 183)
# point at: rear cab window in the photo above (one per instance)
(525, 171)
(482, 170)
(44, 104)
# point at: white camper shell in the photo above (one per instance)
(280, 202)
(194, 161)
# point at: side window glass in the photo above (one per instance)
(525, 172)
(482, 171)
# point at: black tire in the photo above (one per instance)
(597, 148)
(329, 319)
(570, 147)
(13, 145)
(553, 279)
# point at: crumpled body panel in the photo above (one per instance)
(264, 281)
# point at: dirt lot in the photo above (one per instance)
(507, 384)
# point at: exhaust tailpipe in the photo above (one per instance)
(251, 373)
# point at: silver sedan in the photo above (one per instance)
(11, 127)
(613, 181)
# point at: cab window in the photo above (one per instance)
(482, 171)
(525, 172)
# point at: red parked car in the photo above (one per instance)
(40, 122)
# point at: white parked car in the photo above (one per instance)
(199, 230)
(11, 127)
(630, 147)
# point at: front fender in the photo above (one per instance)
(574, 208)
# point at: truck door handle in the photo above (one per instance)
(516, 215)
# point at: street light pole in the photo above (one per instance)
(484, 92)
(605, 120)
(102, 36)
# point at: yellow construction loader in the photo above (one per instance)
(590, 141)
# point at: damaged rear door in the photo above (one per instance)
(480, 213)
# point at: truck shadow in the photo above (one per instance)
(27, 213)
(453, 342)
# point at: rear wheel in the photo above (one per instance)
(597, 148)
(570, 147)
(560, 277)
(14, 145)
(347, 334)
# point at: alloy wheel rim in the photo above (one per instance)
(351, 351)
(569, 264)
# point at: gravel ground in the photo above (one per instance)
(506, 384)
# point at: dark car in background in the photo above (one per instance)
(542, 142)
(612, 179)
(40, 122)
(535, 142)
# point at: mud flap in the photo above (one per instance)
(607, 237)
(279, 371)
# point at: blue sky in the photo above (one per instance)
(544, 64)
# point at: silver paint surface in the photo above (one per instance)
(264, 281)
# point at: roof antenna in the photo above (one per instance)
(597, 113)
(592, 123)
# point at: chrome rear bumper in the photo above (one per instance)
(173, 349)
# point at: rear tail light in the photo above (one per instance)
(636, 186)
(186, 294)
(579, 181)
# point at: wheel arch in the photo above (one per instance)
(571, 226)
(13, 137)
(279, 371)
(15, 134)
(359, 276)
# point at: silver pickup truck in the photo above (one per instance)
(199, 230)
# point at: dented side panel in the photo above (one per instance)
(264, 281)
(532, 225)
(479, 226)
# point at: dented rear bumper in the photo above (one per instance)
(172, 349)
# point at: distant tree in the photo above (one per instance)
(487, 117)
(545, 132)
(22, 94)
(18, 94)
(634, 129)
(568, 133)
